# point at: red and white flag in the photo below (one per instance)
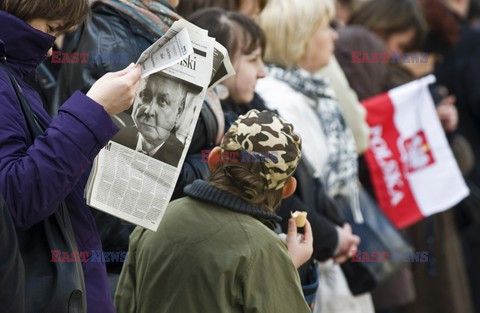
(412, 167)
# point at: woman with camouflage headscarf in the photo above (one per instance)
(214, 250)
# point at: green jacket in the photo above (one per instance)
(207, 258)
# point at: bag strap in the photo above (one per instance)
(35, 125)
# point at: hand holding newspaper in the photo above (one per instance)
(134, 176)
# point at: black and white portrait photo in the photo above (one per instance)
(161, 118)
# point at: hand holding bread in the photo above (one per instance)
(300, 218)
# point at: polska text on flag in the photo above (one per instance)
(411, 165)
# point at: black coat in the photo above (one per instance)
(12, 275)
(459, 70)
(170, 152)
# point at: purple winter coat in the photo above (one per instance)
(36, 178)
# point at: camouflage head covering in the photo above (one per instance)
(267, 139)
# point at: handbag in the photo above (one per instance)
(12, 276)
(334, 295)
(377, 234)
(53, 287)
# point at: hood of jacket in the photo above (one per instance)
(24, 46)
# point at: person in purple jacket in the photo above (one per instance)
(36, 176)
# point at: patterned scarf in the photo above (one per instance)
(341, 171)
(155, 15)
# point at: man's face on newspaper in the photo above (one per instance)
(158, 106)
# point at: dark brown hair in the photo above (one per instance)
(388, 17)
(235, 31)
(71, 12)
(444, 27)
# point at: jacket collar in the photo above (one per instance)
(24, 46)
(203, 191)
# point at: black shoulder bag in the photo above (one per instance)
(377, 234)
(53, 287)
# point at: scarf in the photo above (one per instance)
(155, 15)
(341, 170)
(203, 191)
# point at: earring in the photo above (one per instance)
(222, 92)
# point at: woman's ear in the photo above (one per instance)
(289, 188)
(214, 159)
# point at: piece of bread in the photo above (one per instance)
(300, 218)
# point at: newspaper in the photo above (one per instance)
(222, 67)
(134, 175)
(168, 50)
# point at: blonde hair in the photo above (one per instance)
(289, 26)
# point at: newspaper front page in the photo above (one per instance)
(134, 176)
